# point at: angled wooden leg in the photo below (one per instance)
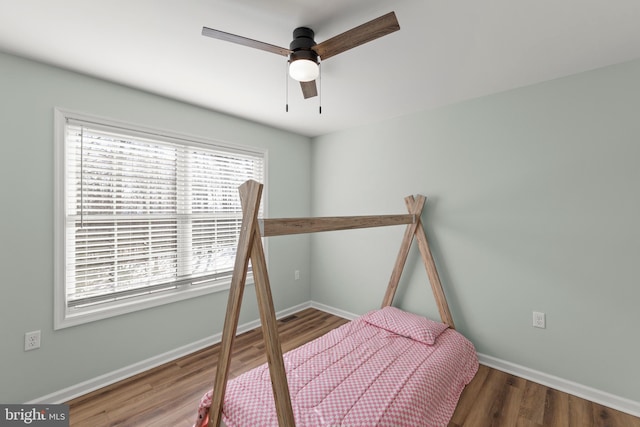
(415, 208)
(432, 271)
(270, 334)
(250, 193)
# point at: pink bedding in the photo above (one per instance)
(360, 375)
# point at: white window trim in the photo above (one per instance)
(63, 318)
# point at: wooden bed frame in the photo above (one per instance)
(250, 247)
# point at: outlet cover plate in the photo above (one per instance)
(31, 340)
(539, 320)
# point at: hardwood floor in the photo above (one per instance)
(168, 396)
(495, 398)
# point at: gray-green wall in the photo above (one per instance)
(533, 204)
(29, 91)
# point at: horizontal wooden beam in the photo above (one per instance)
(285, 226)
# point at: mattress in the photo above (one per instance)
(386, 368)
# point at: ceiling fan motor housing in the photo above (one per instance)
(305, 55)
(301, 45)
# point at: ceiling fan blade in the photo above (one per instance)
(309, 89)
(357, 36)
(221, 35)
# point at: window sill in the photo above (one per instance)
(79, 316)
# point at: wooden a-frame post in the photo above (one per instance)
(250, 246)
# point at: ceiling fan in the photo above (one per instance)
(305, 54)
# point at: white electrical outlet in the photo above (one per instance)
(31, 340)
(296, 275)
(539, 320)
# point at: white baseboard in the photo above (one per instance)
(98, 382)
(333, 310)
(607, 399)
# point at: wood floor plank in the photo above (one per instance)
(468, 397)
(607, 417)
(507, 409)
(556, 410)
(533, 401)
(484, 411)
(523, 422)
(580, 412)
(168, 396)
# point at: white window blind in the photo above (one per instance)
(147, 213)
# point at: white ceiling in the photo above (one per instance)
(446, 50)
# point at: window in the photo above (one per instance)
(143, 217)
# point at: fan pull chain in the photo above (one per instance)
(286, 85)
(320, 88)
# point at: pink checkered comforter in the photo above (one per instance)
(358, 375)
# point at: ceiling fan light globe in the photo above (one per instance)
(304, 70)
